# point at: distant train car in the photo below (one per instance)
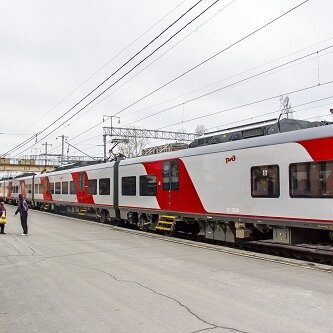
(3, 187)
(77, 190)
(14, 187)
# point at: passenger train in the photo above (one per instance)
(268, 182)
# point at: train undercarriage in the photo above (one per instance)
(211, 229)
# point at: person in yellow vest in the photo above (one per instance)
(3, 217)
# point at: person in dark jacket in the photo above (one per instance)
(23, 210)
(2, 211)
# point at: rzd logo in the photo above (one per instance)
(230, 159)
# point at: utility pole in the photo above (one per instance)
(46, 145)
(63, 137)
(104, 135)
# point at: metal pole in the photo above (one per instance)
(46, 144)
(104, 135)
(62, 148)
(104, 144)
(63, 137)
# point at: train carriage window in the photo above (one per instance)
(29, 188)
(64, 187)
(92, 186)
(128, 185)
(36, 189)
(104, 186)
(265, 182)
(57, 188)
(148, 185)
(52, 188)
(72, 188)
(170, 175)
(311, 180)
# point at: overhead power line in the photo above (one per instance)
(115, 72)
(188, 93)
(231, 84)
(275, 111)
(163, 54)
(95, 98)
(185, 73)
(242, 120)
(106, 64)
(212, 57)
(251, 103)
(188, 71)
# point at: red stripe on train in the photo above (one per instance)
(319, 149)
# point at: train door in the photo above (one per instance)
(170, 185)
(81, 187)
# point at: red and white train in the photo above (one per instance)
(277, 186)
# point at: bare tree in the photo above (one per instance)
(200, 129)
(133, 147)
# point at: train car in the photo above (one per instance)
(77, 190)
(282, 184)
(3, 187)
(19, 185)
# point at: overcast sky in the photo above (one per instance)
(50, 48)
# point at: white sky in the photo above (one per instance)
(49, 48)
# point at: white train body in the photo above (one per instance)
(280, 180)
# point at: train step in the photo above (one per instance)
(83, 211)
(166, 223)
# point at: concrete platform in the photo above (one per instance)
(74, 276)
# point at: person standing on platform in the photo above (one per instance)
(2, 217)
(23, 210)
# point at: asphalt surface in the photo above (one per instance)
(73, 276)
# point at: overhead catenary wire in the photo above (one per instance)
(211, 57)
(238, 74)
(272, 112)
(124, 75)
(106, 64)
(231, 84)
(227, 78)
(181, 103)
(116, 71)
(101, 100)
(188, 71)
(242, 120)
(160, 56)
(251, 103)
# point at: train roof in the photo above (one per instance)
(262, 128)
(266, 140)
(91, 166)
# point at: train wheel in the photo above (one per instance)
(104, 217)
(195, 229)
